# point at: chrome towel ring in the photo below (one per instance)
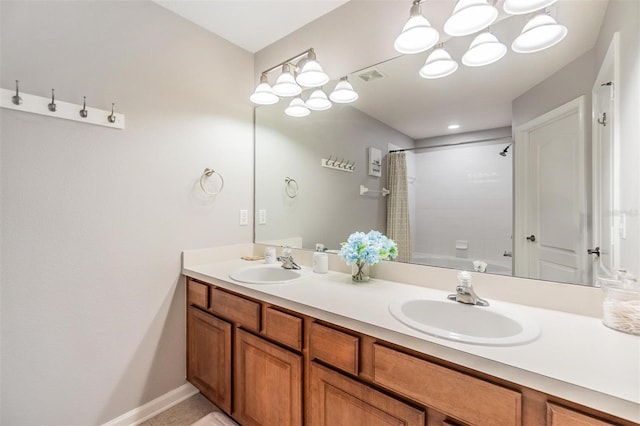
(291, 187)
(208, 173)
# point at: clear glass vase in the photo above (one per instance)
(360, 272)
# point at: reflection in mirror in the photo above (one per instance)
(516, 186)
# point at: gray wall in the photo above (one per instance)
(94, 219)
(294, 147)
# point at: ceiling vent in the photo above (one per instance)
(371, 75)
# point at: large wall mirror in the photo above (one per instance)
(527, 184)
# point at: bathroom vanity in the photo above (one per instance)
(322, 351)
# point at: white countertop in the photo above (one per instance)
(575, 357)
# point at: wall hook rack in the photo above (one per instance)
(342, 165)
(52, 108)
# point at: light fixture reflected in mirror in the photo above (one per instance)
(522, 7)
(417, 34)
(297, 108)
(470, 16)
(318, 101)
(343, 92)
(540, 33)
(286, 85)
(485, 49)
(307, 73)
(263, 95)
(311, 73)
(439, 64)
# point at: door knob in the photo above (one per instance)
(595, 251)
(531, 238)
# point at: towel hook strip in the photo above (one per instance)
(208, 173)
(291, 187)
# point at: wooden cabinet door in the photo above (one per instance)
(209, 356)
(268, 383)
(560, 416)
(338, 400)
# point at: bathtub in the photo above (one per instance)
(493, 267)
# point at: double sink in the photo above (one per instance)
(481, 325)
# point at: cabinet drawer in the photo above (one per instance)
(283, 328)
(234, 308)
(334, 347)
(560, 416)
(197, 294)
(455, 394)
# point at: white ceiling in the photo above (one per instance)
(416, 107)
(251, 24)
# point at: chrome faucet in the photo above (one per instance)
(287, 260)
(465, 292)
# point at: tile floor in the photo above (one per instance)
(183, 414)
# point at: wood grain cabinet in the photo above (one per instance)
(268, 383)
(267, 365)
(338, 400)
(209, 356)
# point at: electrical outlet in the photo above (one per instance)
(262, 216)
(244, 217)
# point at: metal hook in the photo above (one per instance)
(17, 100)
(83, 111)
(112, 117)
(52, 105)
(353, 166)
(604, 119)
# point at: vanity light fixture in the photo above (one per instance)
(286, 85)
(540, 33)
(522, 7)
(307, 73)
(343, 93)
(263, 95)
(470, 16)
(318, 101)
(417, 34)
(297, 108)
(485, 49)
(439, 64)
(311, 73)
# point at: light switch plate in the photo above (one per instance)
(262, 217)
(244, 217)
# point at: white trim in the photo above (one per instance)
(152, 408)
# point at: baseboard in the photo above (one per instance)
(152, 408)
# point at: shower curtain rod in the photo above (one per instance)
(452, 144)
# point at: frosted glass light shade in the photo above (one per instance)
(311, 73)
(417, 34)
(522, 7)
(439, 64)
(318, 101)
(343, 92)
(286, 85)
(470, 16)
(540, 33)
(485, 49)
(263, 95)
(297, 108)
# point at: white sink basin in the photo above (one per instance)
(452, 320)
(267, 274)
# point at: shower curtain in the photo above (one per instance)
(398, 206)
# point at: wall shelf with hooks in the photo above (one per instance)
(52, 107)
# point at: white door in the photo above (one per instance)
(550, 236)
(604, 153)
